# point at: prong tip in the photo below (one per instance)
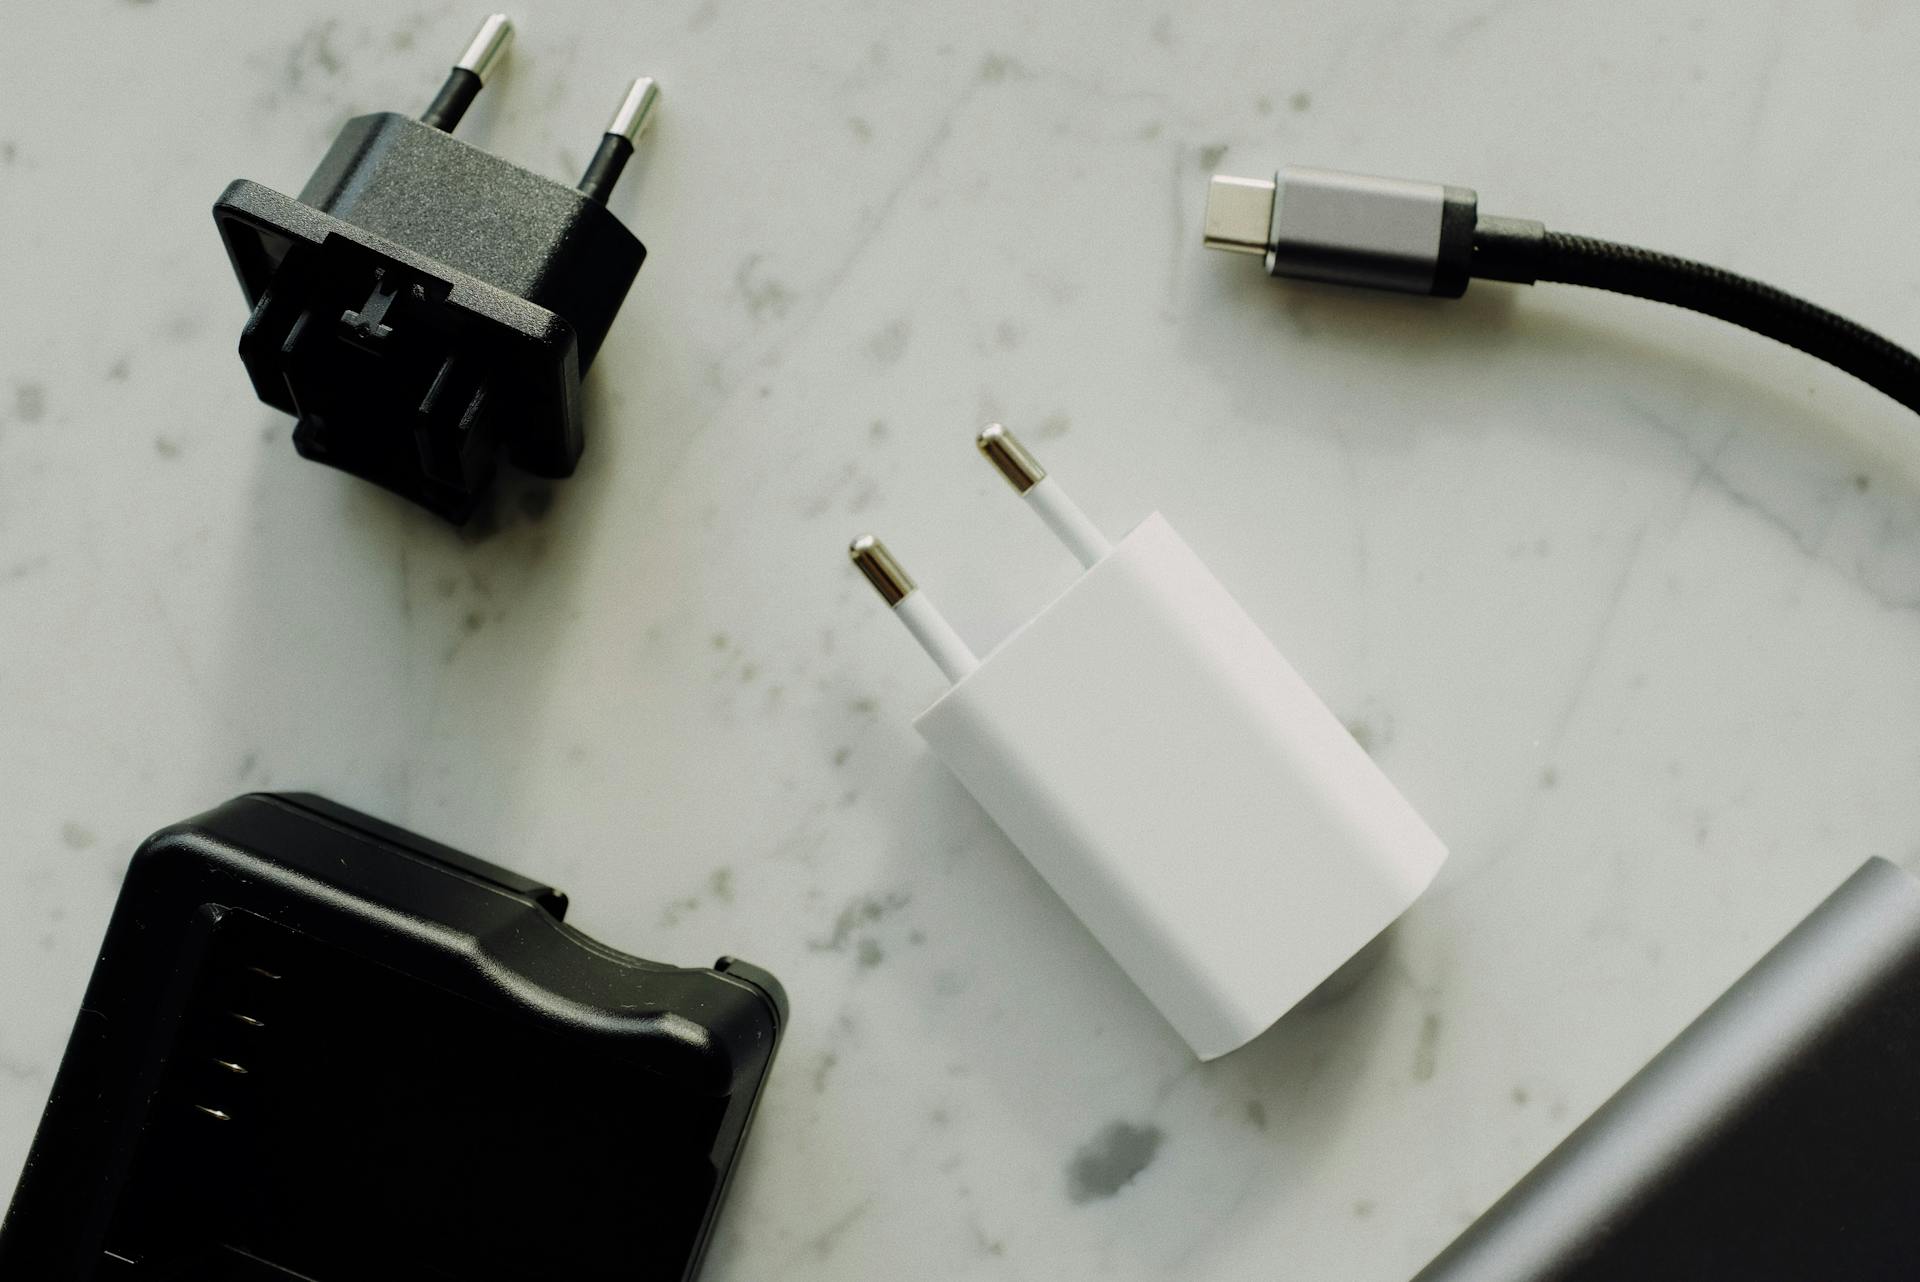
(1004, 450)
(635, 112)
(488, 44)
(880, 569)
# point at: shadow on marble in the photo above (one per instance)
(402, 657)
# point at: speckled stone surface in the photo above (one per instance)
(1628, 602)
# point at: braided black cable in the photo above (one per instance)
(1626, 269)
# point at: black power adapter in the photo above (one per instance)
(318, 1047)
(424, 305)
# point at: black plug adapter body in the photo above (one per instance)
(318, 1047)
(424, 305)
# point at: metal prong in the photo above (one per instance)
(1004, 450)
(888, 579)
(248, 1020)
(630, 120)
(230, 1066)
(1044, 495)
(215, 1113)
(263, 972)
(635, 112)
(488, 44)
(918, 614)
(474, 68)
(1239, 214)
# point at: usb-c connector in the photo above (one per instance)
(1239, 214)
(1427, 238)
(1350, 229)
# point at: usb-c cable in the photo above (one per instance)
(1426, 238)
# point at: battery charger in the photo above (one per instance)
(318, 1047)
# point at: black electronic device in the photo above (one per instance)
(318, 1047)
(424, 305)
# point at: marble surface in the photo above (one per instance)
(1628, 602)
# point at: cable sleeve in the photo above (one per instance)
(1664, 278)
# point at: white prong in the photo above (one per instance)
(1043, 494)
(1069, 524)
(935, 635)
(923, 619)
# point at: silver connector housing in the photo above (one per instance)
(1350, 229)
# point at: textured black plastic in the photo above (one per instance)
(442, 1080)
(1776, 1140)
(424, 304)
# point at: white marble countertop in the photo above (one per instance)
(1626, 600)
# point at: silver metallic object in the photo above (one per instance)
(1349, 229)
(489, 43)
(635, 112)
(888, 579)
(630, 120)
(1043, 494)
(1239, 214)
(1354, 229)
(1004, 450)
(949, 652)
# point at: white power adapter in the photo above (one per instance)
(1170, 775)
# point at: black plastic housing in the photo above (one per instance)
(424, 305)
(441, 1079)
(1776, 1140)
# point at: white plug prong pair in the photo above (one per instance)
(1043, 494)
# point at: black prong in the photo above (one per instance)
(630, 120)
(603, 171)
(451, 103)
(464, 81)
